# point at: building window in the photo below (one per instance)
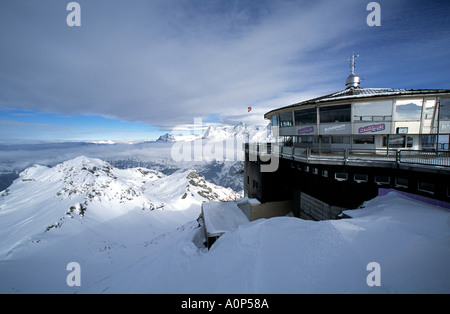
(255, 185)
(398, 141)
(402, 130)
(305, 116)
(306, 139)
(333, 114)
(409, 141)
(429, 109)
(325, 173)
(340, 139)
(364, 139)
(402, 182)
(408, 110)
(382, 179)
(275, 120)
(426, 187)
(341, 176)
(360, 177)
(373, 111)
(444, 109)
(286, 119)
(428, 141)
(324, 139)
(288, 141)
(315, 171)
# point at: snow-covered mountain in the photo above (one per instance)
(154, 154)
(217, 132)
(241, 132)
(167, 138)
(85, 190)
(87, 212)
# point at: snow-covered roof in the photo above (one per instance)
(362, 93)
(220, 217)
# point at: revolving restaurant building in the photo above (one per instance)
(341, 149)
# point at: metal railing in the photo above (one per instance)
(354, 156)
(437, 158)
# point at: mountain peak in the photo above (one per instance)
(166, 138)
(240, 132)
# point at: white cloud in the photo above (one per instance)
(166, 62)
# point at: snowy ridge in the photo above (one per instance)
(151, 154)
(43, 199)
(240, 132)
(216, 132)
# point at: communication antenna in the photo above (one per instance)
(352, 80)
(352, 60)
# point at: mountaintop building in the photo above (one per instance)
(339, 150)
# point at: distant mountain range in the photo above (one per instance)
(241, 132)
(154, 154)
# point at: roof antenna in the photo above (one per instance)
(352, 80)
(352, 60)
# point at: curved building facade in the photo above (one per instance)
(341, 149)
(367, 118)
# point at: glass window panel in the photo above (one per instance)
(307, 139)
(429, 109)
(409, 141)
(426, 187)
(397, 141)
(286, 119)
(341, 113)
(444, 109)
(402, 182)
(372, 111)
(408, 110)
(361, 177)
(340, 139)
(305, 116)
(428, 141)
(382, 179)
(275, 120)
(366, 139)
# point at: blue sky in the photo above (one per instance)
(137, 69)
(30, 125)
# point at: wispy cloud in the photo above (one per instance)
(166, 62)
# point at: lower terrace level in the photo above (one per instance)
(344, 178)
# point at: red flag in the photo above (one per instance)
(249, 109)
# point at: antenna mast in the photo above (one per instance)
(353, 62)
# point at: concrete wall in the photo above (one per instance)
(313, 209)
(265, 210)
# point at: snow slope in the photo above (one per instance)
(123, 246)
(409, 240)
(82, 193)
